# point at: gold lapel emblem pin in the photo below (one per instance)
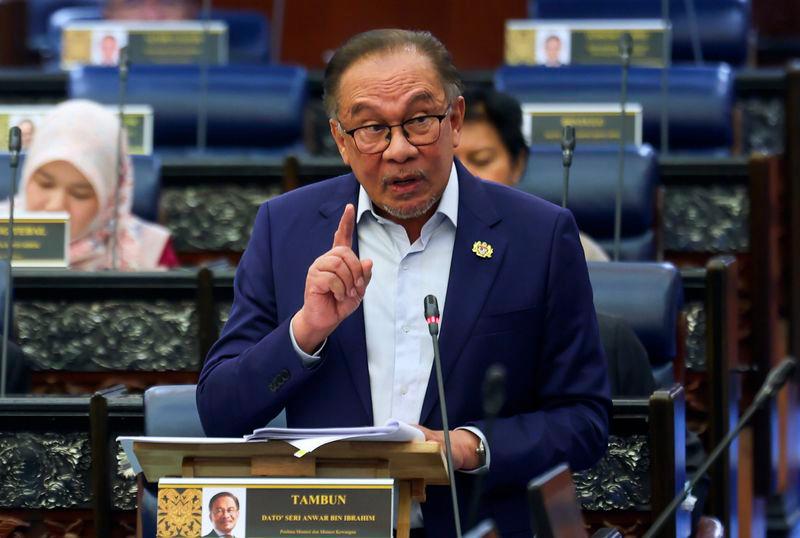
(482, 249)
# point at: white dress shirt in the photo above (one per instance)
(399, 346)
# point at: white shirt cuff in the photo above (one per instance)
(484, 468)
(309, 361)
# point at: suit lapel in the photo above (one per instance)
(471, 277)
(349, 337)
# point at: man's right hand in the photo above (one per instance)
(335, 285)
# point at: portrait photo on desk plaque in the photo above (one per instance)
(274, 507)
(557, 43)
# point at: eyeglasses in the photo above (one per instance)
(419, 131)
(222, 511)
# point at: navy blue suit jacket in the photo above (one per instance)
(528, 307)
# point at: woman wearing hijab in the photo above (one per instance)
(72, 166)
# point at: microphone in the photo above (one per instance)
(776, 378)
(14, 147)
(432, 318)
(694, 33)
(123, 87)
(666, 56)
(494, 396)
(625, 52)
(202, 106)
(567, 151)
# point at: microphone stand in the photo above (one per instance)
(432, 317)
(14, 147)
(123, 86)
(202, 109)
(494, 397)
(625, 51)
(775, 380)
(666, 59)
(567, 151)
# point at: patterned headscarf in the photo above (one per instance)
(85, 134)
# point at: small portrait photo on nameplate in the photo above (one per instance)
(106, 44)
(556, 43)
(594, 123)
(41, 238)
(274, 507)
(138, 121)
(147, 42)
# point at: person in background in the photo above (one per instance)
(109, 51)
(152, 10)
(72, 166)
(492, 147)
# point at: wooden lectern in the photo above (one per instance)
(413, 465)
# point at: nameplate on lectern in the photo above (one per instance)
(41, 239)
(138, 121)
(556, 43)
(274, 507)
(147, 42)
(595, 123)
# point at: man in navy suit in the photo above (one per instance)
(327, 320)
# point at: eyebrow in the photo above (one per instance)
(45, 174)
(424, 95)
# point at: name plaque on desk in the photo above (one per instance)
(41, 239)
(274, 507)
(147, 42)
(556, 43)
(138, 121)
(595, 123)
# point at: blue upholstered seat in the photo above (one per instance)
(700, 101)
(248, 30)
(171, 411)
(723, 25)
(649, 297)
(592, 193)
(146, 188)
(248, 106)
(39, 13)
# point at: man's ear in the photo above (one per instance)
(456, 119)
(339, 137)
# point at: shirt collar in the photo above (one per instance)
(448, 204)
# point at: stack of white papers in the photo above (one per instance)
(306, 440)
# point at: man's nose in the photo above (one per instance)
(400, 149)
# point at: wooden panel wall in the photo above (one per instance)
(472, 31)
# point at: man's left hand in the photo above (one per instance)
(463, 442)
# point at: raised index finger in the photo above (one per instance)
(344, 233)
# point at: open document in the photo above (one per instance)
(306, 440)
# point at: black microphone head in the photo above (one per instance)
(431, 307)
(780, 374)
(15, 140)
(568, 138)
(625, 46)
(494, 389)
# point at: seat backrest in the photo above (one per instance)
(592, 193)
(39, 13)
(247, 106)
(723, 25)
(700, 99)
(648, 296)
(171, 411)
(146, 187)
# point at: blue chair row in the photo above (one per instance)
(248, 106)
(723, 25)
(592, 193)
(700, 99)
(147, 187)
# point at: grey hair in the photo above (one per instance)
(389, 40)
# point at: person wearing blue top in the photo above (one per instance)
(327, 320)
